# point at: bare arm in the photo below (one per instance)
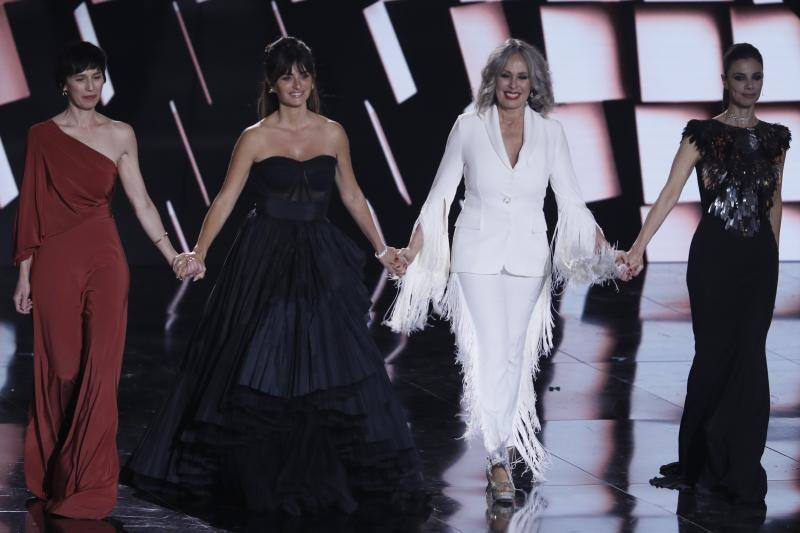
(682, 165)
(132, 182)
(244, 154)
(777, 205)
(354, 200)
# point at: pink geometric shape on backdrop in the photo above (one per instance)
(658, 131)
(479, 29)
(582, 50)
(590, 147)
(14, 86)
(680, 54)
(671, 243)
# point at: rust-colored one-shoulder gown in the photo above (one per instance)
(79, 287)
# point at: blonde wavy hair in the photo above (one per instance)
(541, 99)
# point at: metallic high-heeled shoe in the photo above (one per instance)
(499, 491)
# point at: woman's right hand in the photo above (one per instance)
(189, 264)
(22, 296)
(634, 260)
(405, 256)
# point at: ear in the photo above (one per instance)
(724, 81)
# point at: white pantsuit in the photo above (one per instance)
(496, 285)
(500, 306)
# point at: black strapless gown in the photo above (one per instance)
(282, 403)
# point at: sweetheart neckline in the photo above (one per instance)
(301, 161)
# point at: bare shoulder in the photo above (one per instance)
(258, 133)
(333, 131)
(120, 134)
(119, 130)
(255, 138)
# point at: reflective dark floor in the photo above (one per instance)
(610, 399)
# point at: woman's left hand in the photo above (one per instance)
(189, 264)
(391, 262)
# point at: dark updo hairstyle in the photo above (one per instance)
(735, 53)
(279, 58)
(76, 57)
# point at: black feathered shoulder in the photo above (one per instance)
(699, 133)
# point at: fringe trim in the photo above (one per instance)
(574, 255)
(462, 326)
(428, 281)
(425, 280)
(538, 341)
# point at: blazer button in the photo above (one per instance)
(506, 200)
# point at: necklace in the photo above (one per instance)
(740, 120)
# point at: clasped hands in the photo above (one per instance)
(395, 261)
(630, 263)
(189, 265)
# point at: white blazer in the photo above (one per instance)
(502, 223)
(501, 226)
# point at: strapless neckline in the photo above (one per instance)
(300, 161)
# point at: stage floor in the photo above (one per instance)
(610, 401)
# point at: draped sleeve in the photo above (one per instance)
(425, 281)
(574, 253)
(28, 222)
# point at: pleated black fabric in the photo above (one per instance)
(283, 403)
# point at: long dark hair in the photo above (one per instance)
(735, 53)
(279, 58)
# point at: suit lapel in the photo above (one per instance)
(532, 124)
(491, 120)
(532, 130)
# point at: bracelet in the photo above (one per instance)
(379, 255)
(160, 238)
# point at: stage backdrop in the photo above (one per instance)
(396, 74)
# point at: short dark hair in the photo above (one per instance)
(279, 58)
(76, 57)
(736, 52)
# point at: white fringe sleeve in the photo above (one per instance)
(425, 281)
(574, 254)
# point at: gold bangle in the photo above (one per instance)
(160, 238)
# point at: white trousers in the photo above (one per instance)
(500, 306)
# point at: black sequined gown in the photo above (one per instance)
(732, 277)
(283, 403)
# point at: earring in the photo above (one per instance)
(64, 91)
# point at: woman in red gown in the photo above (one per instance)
(73, 276)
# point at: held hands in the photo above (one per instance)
(22, 296)
(630, 264)
(189, 265)
(391, 261)
(405, 256)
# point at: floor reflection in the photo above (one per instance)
(37, 521)
(610, 401)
